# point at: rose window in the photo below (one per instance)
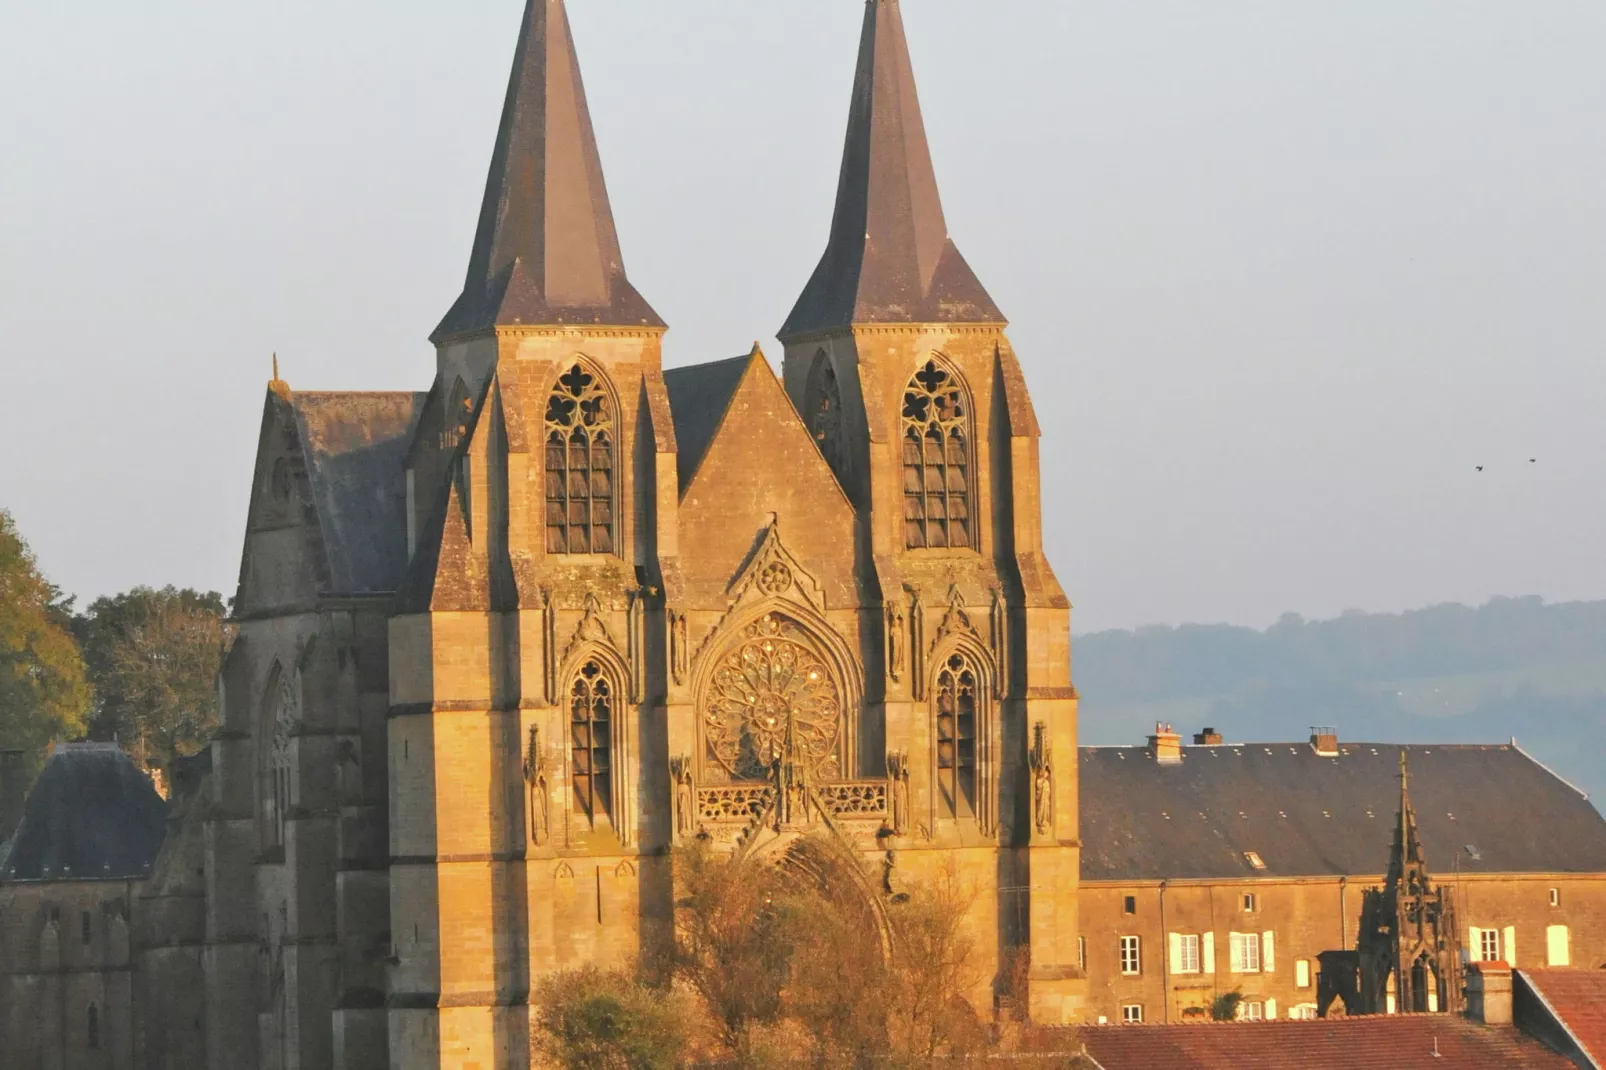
(770, 685)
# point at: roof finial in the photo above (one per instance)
(276, 367)
(276, 384)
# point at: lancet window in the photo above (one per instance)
(276, 782)
(580, 442)
(956, 697)
(824, 411)
(591, 742)
(936, 461)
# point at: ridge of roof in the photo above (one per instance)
(889, 258)
(546, 251)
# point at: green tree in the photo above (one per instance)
(153, 658)
(596, 1020)
(44, 690)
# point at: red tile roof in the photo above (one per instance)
(1577, 998)
(1379, 1042)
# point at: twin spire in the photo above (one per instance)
(547, 252)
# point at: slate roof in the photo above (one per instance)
(889, 258)
(91, 815)
(546, 251)
(698, 398)
(355, 445)
(1306, 815)
(1576, 1000)
(1392, 1040)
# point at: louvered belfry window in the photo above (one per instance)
(936, 461)
(579, 465)
(591, 735)
(956, 739)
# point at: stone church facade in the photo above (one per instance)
(504, 644)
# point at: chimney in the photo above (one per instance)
(1167, 745)
(1324, 741)
(13, 791)
(1489, 993)
(1208, 738)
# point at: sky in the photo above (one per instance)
(1281, 274)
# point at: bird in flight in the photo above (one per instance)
(1480, 467)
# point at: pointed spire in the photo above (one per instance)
(546, 251)
(1407, 855)
(889, 258)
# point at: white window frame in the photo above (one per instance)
(1488, 945)
(1251, 902)
(1302, 973)
(1188, 958)
(1131, 1014)
(1555, 897)
(1131, 956)
(1252, 1011)
(1244, 949)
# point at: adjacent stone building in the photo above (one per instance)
(1220, 868)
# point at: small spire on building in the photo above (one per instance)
(276, 384)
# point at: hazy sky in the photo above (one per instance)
(1281, 273)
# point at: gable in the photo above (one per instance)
(698, 398)
(282, 563)
(761, 467)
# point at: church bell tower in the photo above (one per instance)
(897, 358)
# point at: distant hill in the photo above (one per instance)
(1516, 667)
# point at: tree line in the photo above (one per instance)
(137, 668)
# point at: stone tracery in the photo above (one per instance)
(771, 684)
(936, 461)
(579, 465)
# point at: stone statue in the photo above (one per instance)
(1042, 780)
(898, 770)
(895, 643)
(540, 797)
(685, 798)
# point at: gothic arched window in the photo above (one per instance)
(579, 465)
(591, 742)
(823, 411)
(283, 716)
(936, 461)
(956, 738)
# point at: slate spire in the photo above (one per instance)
(889, 258)
(546, 251)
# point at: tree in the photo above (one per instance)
(934, 969)
(1224, 1008)
(44, 690)
(590, 1019)
(734, 948)
(153, 658)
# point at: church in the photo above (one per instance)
(506, 642)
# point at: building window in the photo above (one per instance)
(1489, 945)
(1188, 953)
(590, 733)
(86, 924)
(92, 1027)
(824, 412)
(1249, 902)
(1555, 897)
(1129, 905)
(956, 738)
(1252, 1011)
(1131, 1014)
(1131, 955)
(1245, 951)
(936, 461)
(1304, 1012)
(1081, 953)
(1254, 860)
(1558, 950)
(1301, 973)
(579, 466)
